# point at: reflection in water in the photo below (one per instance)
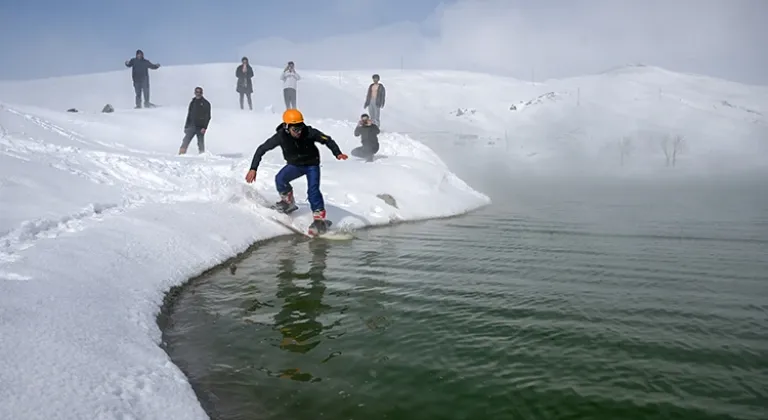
(297, 320)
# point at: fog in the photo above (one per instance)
(550, 39)
(524, 39)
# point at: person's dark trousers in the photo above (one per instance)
(366, 151)
(362, 152)
(291, 172)
(250, 102)
(190, 132)
(289, 95)
(140, 86)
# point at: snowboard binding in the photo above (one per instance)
(320, 224)
(318, 227)
(287, 204)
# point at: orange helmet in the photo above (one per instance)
(292, 116)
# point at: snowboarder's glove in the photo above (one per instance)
(342, 157)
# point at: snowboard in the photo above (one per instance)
(289, 221)
(329, 233)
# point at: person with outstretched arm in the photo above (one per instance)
(297, 140)
(290, 81)
(368, 133)
(244, 75)
(140, 73)
(375, 99)
(198, 118)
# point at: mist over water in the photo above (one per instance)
(569, 297)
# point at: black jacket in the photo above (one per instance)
(244, 82)
(199, 113)
(140, 70)
(369, 135)
(380, 98)
(299, 152)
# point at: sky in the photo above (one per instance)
(533, 39)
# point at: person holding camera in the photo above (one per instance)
(368, 132)
(290, 79)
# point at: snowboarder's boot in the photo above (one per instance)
(319, 224)
(287, 204)
(182, 151)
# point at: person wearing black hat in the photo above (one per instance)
(140, 75)
(244, 74)
(368, 132)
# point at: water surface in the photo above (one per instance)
(563, 300)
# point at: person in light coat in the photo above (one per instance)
(375, 99)
(290, 79)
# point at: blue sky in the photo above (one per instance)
(101, 34)
(520, 38)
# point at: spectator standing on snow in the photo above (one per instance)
(198, 117)
(244, 74)
(368, 133)
(290, 79)
(374, 100)
(140, 74)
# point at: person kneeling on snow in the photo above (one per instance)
(198, 118)
(368, 132)
(302, 159)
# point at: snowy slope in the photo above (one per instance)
(103, 218)
(98, 218)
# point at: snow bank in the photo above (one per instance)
(98, 218)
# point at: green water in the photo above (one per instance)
(560, 301)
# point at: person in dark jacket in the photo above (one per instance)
(198, 117)
(369, 137)
(374, 100)
(302, 158)
(244, 74)
(140, 74)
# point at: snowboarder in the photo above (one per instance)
(368, 133)
(374, 100)
(198, 117)
(290, 79)
(297, 140)
(244, 74)
(140, 74)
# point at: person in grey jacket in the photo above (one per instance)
(375, 99)
(290, 79)
(140, 74)
(369, 137)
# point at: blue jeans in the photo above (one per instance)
(141, 86)
(290, 172)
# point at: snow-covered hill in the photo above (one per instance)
(99, 218)
(626, 120)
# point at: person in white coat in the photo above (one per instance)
(290, 79)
